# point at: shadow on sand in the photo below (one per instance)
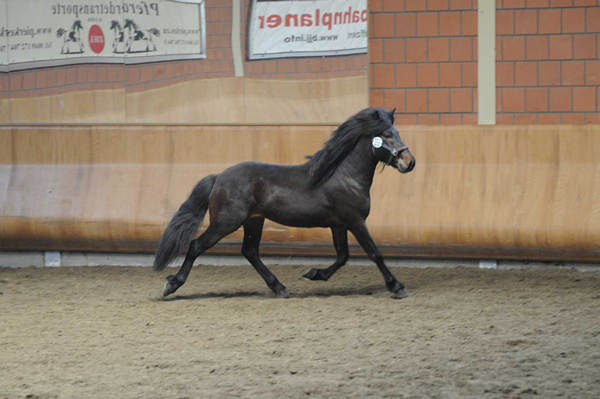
(315, 293)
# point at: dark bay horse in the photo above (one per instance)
(330, 190)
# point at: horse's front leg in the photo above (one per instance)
(363, 237)
(340, 242)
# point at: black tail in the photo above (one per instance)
(182, 227)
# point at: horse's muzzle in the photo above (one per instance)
(405, 161)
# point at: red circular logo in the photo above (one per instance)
(96, 39)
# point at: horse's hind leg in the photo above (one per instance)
(209, 238)
(252, 233)
(340, 241)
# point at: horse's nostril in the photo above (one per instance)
(410, 165)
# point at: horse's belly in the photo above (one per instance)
(292, 221)
(299, 216)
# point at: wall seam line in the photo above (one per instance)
(486, 62)
(236, 48)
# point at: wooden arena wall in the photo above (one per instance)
(501, 191)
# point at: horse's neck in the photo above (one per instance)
(358, 166)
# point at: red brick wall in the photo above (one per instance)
(219, 63)
(423, 60)
(548, 67)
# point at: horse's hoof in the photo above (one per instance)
(169, 289)
(400, 294)
(310, 275)
(314, 275)
(171, 286)
(283, 294)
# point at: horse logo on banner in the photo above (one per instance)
(72, 43)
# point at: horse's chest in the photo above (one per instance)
(360, 208)
(351, 201)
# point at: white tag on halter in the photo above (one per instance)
(377, 142)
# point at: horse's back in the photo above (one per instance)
(258, 172)
(278, 192)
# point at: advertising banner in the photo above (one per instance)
(37, 33)
(3, 36)
(303, 28)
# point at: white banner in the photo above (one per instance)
(36, 33)
(301, 28)
(3, 36)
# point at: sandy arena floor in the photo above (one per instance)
(93, 332)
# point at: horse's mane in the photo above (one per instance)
(368, 122)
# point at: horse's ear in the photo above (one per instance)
(384, 115)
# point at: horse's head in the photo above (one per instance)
(387, 146)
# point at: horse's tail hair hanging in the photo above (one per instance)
(184, 224)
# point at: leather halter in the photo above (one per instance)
(394, 152)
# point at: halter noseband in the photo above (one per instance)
(378, 143)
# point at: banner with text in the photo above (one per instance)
(37, 33)
(304, 28)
